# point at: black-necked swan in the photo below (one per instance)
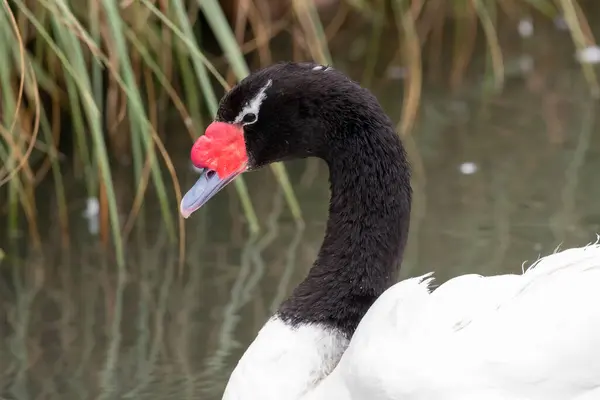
(349, 331)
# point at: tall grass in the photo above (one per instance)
(108, 70)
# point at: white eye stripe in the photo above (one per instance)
(253, 106)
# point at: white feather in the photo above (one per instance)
(285, 361)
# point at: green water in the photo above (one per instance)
(70, 329)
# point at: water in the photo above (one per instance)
(499, 180)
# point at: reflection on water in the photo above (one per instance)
(72, 328)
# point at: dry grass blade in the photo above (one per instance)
(313, 30)
(412, 53)
(14, 119)
(492, 38)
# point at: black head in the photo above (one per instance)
(285, 111)
(292, 110)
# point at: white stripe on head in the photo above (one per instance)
(253, 106)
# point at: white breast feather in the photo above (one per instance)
(285, 362)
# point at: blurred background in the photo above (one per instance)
(106, 293)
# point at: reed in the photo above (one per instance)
(105, 71)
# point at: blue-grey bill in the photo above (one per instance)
(207, 185)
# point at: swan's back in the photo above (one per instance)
(531, 336)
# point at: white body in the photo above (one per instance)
(534, 336)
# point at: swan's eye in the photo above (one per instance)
(249, 118)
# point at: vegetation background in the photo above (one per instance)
(93, 83)
(113, 92)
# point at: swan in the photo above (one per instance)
(350, 330)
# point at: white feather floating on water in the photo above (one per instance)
(525, 27)
(92, 214)
(468, 168)
(588, 55)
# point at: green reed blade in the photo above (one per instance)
(189, 88)
(72, 46)
(201, 73)
(8, 113)
(137, 133)
(147, 57)
(220, 27)
(545, 7)
(96, 76)
(140, 125)
(43, 79)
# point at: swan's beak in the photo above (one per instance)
(203, 190)
(222, 153)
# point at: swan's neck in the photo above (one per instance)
(364, 240)
(366, 232)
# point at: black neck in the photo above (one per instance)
(366, 232)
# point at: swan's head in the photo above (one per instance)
(282, 112)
